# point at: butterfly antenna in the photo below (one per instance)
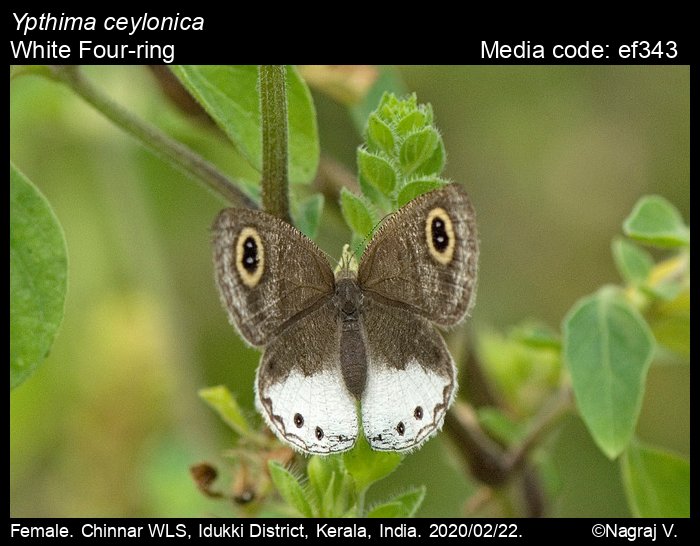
(349, 258)
(376, 228)
(347, 264)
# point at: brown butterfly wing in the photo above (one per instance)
(300, 389)
(424, 257)
(411, 378)
(268, 273)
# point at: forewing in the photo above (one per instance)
(425, 256)
(267, 272)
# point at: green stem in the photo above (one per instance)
(559, 406)
(273, 113)
(361, 503)
(490, 462)
(32, 69)
(153, 138)
(484, 457)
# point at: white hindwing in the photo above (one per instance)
(300, 389)
(402, 409)
(315, 413)
(411, 378)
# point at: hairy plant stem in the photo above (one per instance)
(153, 138)
(273, 113)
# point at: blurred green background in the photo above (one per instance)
(554, 158)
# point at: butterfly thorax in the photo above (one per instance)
(348, 300)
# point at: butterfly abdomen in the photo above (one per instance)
(353, 355)
(353, 361)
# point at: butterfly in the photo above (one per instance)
(366, 335)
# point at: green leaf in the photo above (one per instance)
(657, 222)
(329, 497)
(357, 213)
(387, 509)
(304, 147)
(367, 466)
(670, 322)
(547, 471)
(222, 401)
(416, 188)
(499, 425)
(391, 109)
(523, 373)
(379, 136)
(290, 489)
(321, 470)
(536, 335)
(357, 244)
(657, 483)
(339, 496)
(436, 163)
(633, 263)
(30, 69)
(38, 277)
(307, 214)
(230, 95)
(378, 200)
(663, 290)
(404, 505)
(351, 512)
(417, 149)
(608, 348)
(332, 486)
(388, 80)
(673, 332)
(376, 170)
(669, 277)
(411, 122)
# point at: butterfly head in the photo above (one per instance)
(347, 266)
